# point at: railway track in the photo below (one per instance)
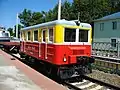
(87, 84)
(108, 65)
(90, 84)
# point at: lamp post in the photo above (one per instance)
(59, 9)
(17, 26)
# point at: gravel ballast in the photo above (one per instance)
(106, 77)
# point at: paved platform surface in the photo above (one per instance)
(14, 75)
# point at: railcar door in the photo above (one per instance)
(44, 44)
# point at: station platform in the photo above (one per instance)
(15, 75)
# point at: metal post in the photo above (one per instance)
(17, 26)
(59, 9)
(118, 49)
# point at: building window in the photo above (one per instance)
(101, 26)
(113, 42)
(50, 35)
(36, 35)
(114, 25)
(28, 36)
(70, 35)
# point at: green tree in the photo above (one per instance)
(89, 10)
(115, 5)
(94, 9)
(25, 17)
(37, 18)
(10, 31)
(66, 10)
(29, 18)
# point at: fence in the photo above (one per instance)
(106, 49)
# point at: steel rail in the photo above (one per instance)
(71, 86)
(101, 83)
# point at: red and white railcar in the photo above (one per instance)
(63, 47)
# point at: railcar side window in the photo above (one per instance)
(5, 34)
(83, 35)
(70, 35)
(36, 35)
(43, 36)
(28, 36)
(50, 35)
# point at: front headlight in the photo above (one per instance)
(64, 59)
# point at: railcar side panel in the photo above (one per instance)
(32, 49)
(56, 53)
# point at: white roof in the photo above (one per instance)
(63, 22)
(112, 16)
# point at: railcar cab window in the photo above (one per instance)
(28, 35)
(51, 35)
(35, 35)
(70, 35)
(83, 35)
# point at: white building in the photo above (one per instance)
(107, 29)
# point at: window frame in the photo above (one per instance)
(34, 37)
(114, 25)
(49, 35)
(101, 26)
(114, 44)
(44, 30)
(75, 35)
(27, 36)
(88, 31)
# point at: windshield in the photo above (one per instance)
(70, 35)
(83, 35)
(75, 35)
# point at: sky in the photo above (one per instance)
(10, 8)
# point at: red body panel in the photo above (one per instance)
(55, 53)
(9, 45)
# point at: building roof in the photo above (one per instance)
(109, 17)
